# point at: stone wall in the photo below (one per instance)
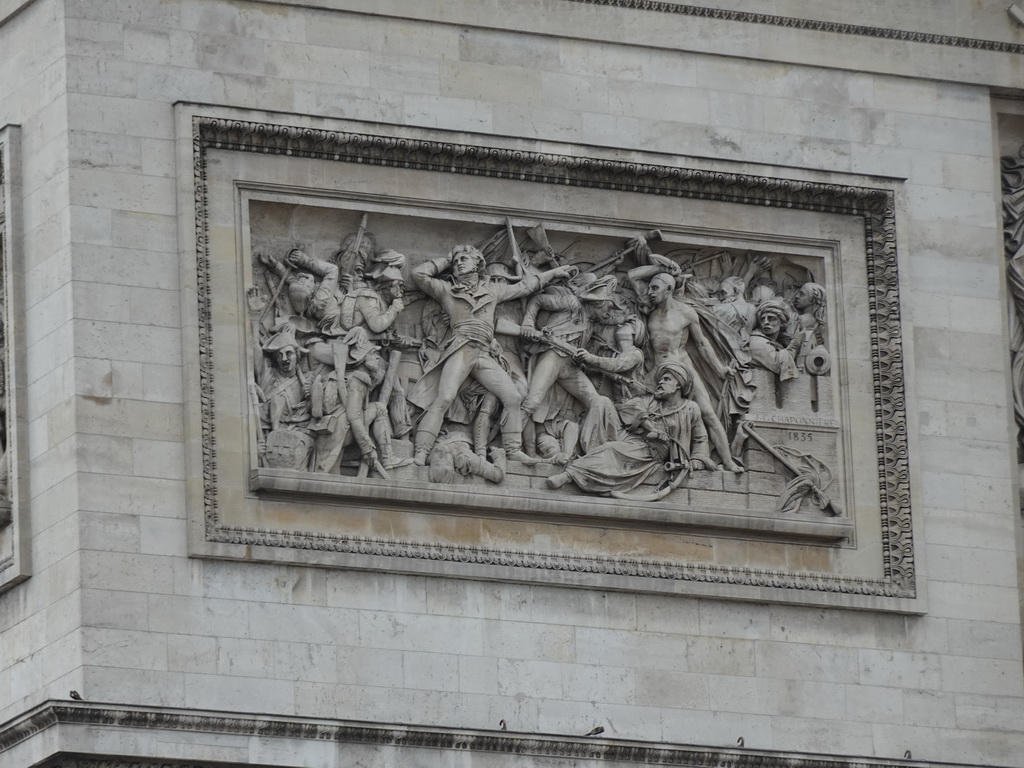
(41, 618)
(104, 329)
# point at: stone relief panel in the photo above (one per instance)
(456, 359)
(536, 359)
(1013, 238)
(5, 468)
(14, 539)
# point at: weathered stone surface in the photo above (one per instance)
(417, 625)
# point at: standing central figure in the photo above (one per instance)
(470, 299)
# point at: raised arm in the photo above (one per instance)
(628, 358)
(256, 306)
(425, 276)
(377, 320)
(325, 270)
(538, 302)
(533, 283)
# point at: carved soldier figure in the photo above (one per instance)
(470, 300)
(565, 322)
(809, 304)
(284, 407)
(557, 443)
(566, 330)
(366, 370)
(732, 308)
(759, 294)
(671, 324)
(312, 289)
(768, 347)
(618, 337)
(278, 377)
(375, 304)
(452, 455)
(663, 428)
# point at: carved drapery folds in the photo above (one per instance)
(500, 361)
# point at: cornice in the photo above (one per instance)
(11, 8)
(792, 22)
(512, 744)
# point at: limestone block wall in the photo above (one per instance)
(158, 628)
(40, 619)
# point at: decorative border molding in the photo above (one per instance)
(875, 206)
(51, 714)
(817, 26)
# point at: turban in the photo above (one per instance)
(679, 372)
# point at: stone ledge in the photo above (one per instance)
(82, 726)
(425, 496)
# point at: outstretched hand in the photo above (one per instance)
(254, 300)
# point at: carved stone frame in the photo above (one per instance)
(201, 132)
(15, 537)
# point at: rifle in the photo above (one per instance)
(395, 340)
(573, 351)
(277, 292)
(619, 255)
(540, 237)
(516, 253)
(353, 252)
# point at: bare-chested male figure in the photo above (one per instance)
(670, 325)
